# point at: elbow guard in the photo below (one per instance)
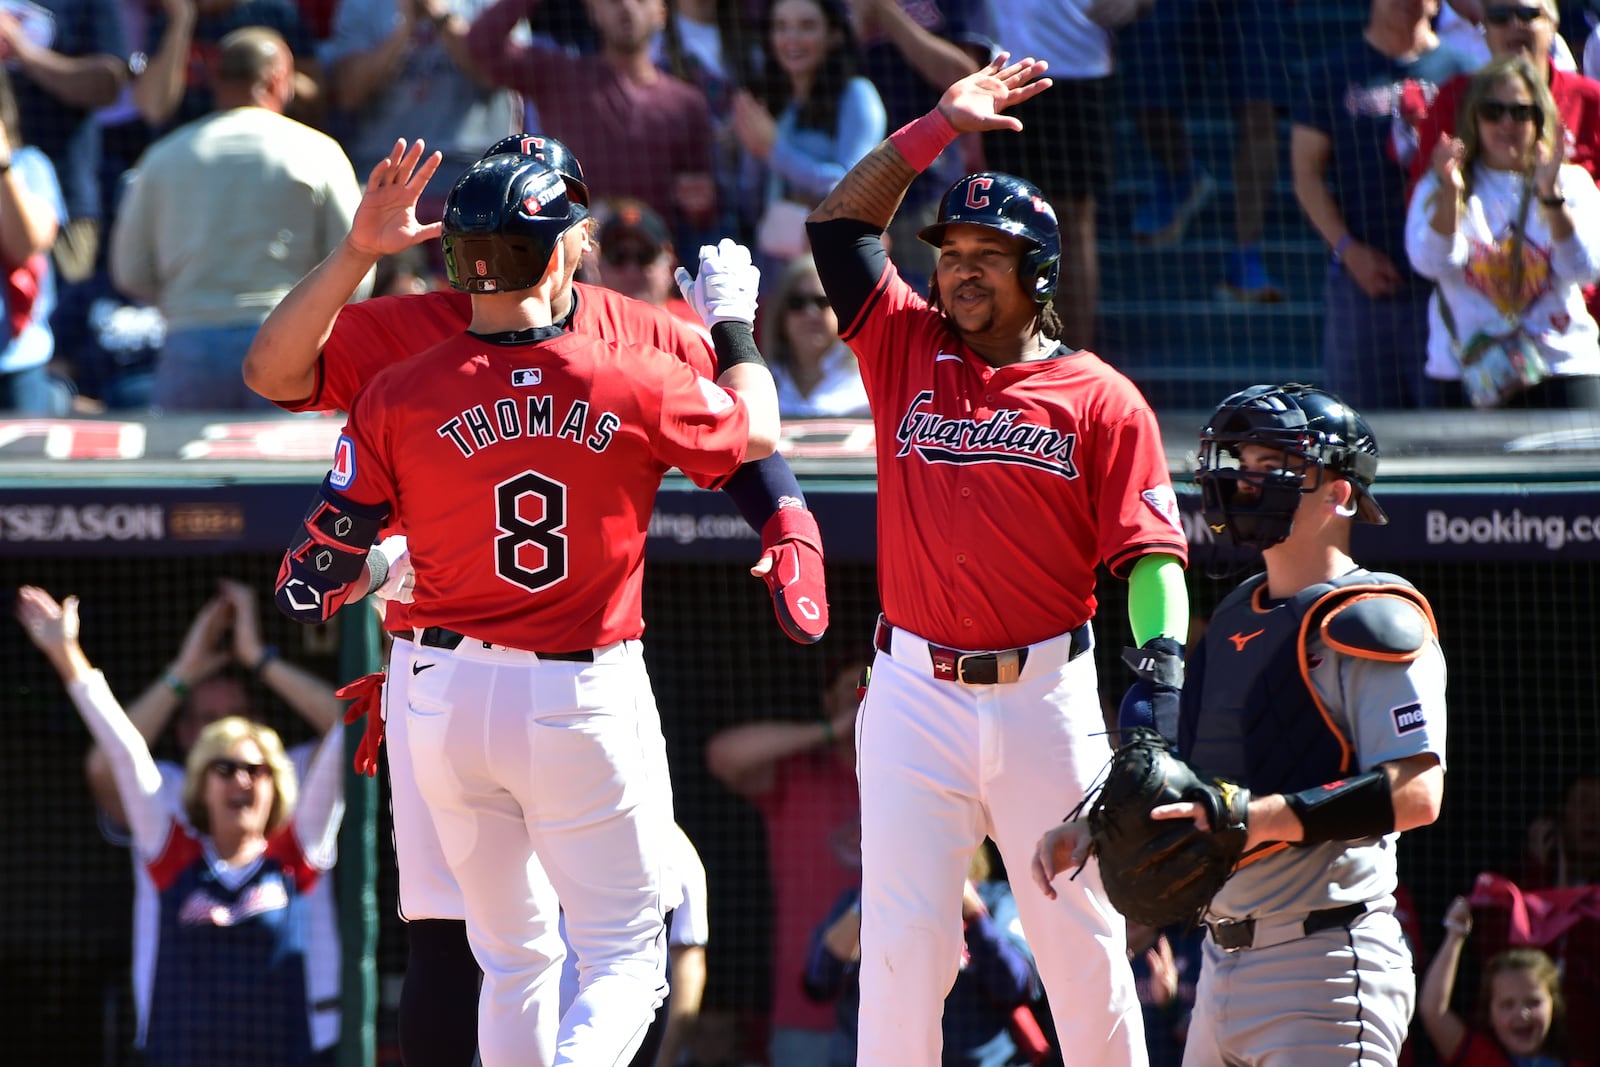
(1347, 810)
(321, 568)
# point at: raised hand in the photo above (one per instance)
(202, 653)
(1449, 156)
(725, 288)
(974, 104)
(386, 219)
(1547, 165)
(52, 627)
(247, 644)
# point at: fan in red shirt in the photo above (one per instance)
(523, 461)
(314, 352)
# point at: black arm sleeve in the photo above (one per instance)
(851, 261)
(758, 489)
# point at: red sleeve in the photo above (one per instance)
(370, 335)
(892, 323)
(1578, 100)
(361, 471)
(701, 428)
(284, 848)
(177, 855)
(1138, 511)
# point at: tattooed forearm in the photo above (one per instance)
(871, 191)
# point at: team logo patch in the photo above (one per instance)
(527, 376)
(343, 474)
(1164, 502)
(716, 397)
(1409, 718)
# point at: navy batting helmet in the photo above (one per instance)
(1315, 430)
(1011, 205)
(553, 154)
(502, 222)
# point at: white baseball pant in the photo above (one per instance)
(942, 764)
(541, 773)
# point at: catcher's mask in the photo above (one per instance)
(1316, 431)
(1012, 206)
(553, 154)
(502, 222)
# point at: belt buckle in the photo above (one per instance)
(1226, 924)
(1007, 666)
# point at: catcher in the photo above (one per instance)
(1311, 731)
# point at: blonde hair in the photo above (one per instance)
(213, 743)
(1489, 75)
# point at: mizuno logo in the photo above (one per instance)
(1241, 639)
(418, 668)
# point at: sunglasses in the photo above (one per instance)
(1495, 110)
(1502, 15)
(629, 257)
(805, 301)
(230, 768)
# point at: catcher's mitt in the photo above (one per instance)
(1159, 872)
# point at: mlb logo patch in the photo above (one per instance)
(527, 376)
(343, 474)
(1409, 718)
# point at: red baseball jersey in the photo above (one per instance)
(1001, 488)
(370, 335)
(524, 477)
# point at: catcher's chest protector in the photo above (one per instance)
(1262, 725)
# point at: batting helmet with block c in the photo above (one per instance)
(502, 222)
(1014, 206)
(553, 154)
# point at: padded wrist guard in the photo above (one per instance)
(1152, 701)
(1347, 810)
(320, 569)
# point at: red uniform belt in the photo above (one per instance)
(439, 637)
(980, 668)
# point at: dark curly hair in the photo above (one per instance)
(820, 111)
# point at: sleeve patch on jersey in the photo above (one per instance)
(716, 397)
(1164, 502)
(1408, 718)
(343, 474)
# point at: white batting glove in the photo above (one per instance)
(725, 289)
(398, 585)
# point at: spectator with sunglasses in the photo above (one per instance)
(1524, 28)
(233, 866)
(1510, 233)
(815, 372)
(637, 257)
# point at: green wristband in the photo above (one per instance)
(176, 684)
(827, 731)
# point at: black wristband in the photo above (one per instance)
(735, 343)
(1553, 201)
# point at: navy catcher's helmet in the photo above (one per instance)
(1011, 205)
(553, 154)
(502, 222)
(1317, 432)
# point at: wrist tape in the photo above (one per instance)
(920, 141)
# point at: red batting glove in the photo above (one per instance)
(366, 697)
(791, 565)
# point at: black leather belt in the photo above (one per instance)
(439, 637)
(1231, 935)
(980, 668)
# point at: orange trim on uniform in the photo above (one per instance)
(1346, 750)
(1260, 853)
(1364, 653)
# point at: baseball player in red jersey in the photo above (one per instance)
(314, 352)
(1009, 466)
(523, 461)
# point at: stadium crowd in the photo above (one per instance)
(169, 170)
(179, 164)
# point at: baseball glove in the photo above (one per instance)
(1163, 871)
